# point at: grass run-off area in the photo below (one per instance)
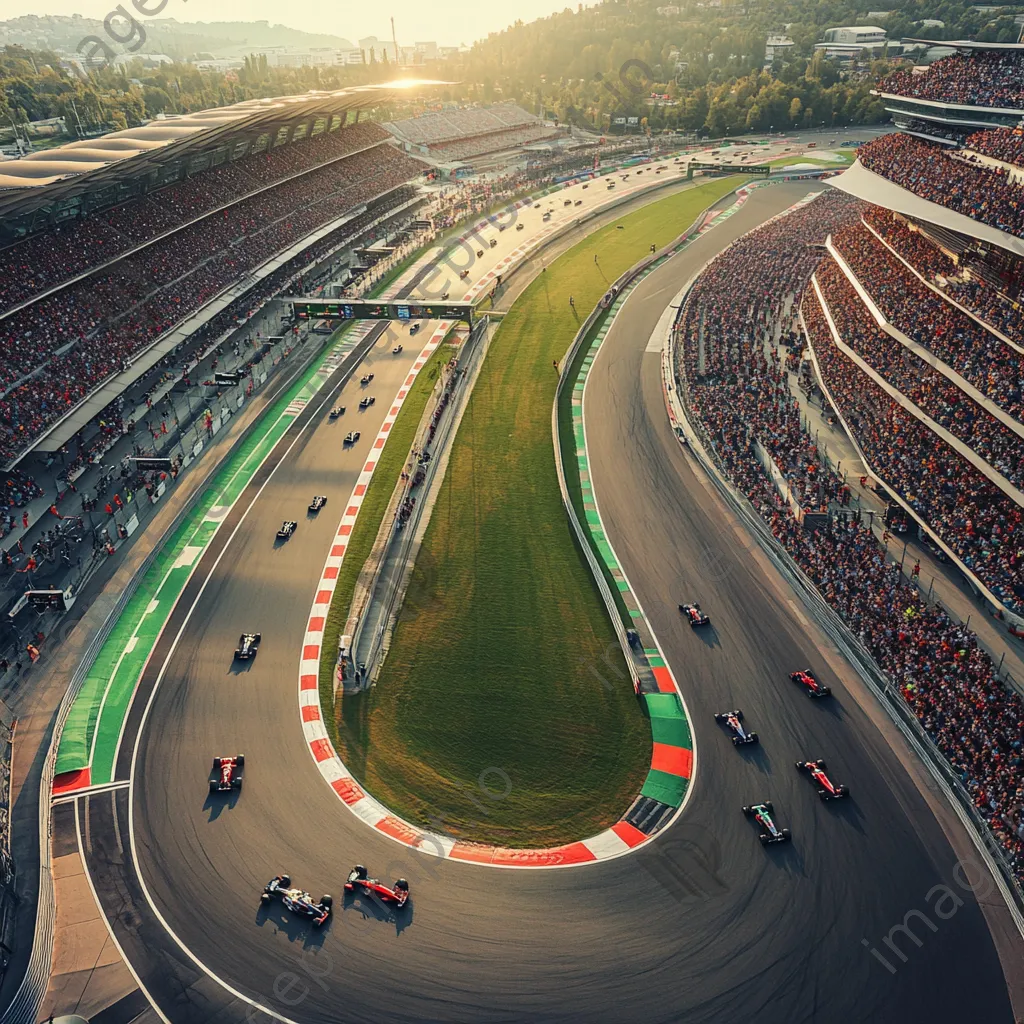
(819, 161)
(491, 719)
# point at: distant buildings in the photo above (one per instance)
(776, 46)
(849, 41)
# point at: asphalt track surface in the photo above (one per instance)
(703, 925)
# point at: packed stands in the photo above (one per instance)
(989, 78)
(934, 173)
(736, 383)
(43, 261)
(1006, 144)
(991, 365)
(57, 350)
(928, 259)
(934, 394)
(974, 518)
(948, 682)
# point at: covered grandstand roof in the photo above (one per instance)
(873, 188)
(451, 125)
(42, 178)
(965, 44)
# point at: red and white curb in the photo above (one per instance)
(616, 841)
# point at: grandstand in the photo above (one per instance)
(461, 134)
(116, 251)
(916, 324)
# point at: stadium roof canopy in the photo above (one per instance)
(858, 181)
(964, 44)
(49, 176)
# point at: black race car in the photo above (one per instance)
(367, 402)
(734, 720)
(287, 529)
(415, 327)
(365, 379)
(463, 275)
(519, 227)
(338, 410)
(827, 789)
(479, 252)
(396, 350)
(227, 773)
(351, 437)
(567, 202)
(694, 615)
(811, 683)
(359, 878)
(771, 833)
(579, 202)
(494, 242)
(317, 503)
(248, 645)
(297, 901)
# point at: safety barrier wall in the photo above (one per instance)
(687, 426)
(24, 1007)
(582, 536)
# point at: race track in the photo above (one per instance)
(702, 926)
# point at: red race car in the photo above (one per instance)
(359, 876)
(694, 615)
(827, 789)
(227, 773)
(814, 686)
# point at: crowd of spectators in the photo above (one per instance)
(957, 501)
(60, 348)
(991, 365)
(738, 384)
(935, 395)
(1006, 144)
(935, 664)
(989, 78)
(936, 174)
(971, 290)
(451, 125)
(44, 261)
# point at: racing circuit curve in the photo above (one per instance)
(699, 926)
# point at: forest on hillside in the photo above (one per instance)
(701, 69)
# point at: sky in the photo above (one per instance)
(448, 22)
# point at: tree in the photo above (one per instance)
(794, 109)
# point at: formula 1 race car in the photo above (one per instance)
(367, 402)
(318, 502)
(762, 814)
(586, 186)
(365, 379)
(827, 789)
(351, 437)
(415, 328)
(444, 296)
(536, 206)
(695, 616)
(579, 202)
(547, 216)
(248, 645)
(568, 202)
(463, 275)
(494, 243)
(227, 773)
(479, 252)
(734, 720)
(287, 529)
(396, 350)
(297, 901)
(814, 686)
(397, 894)
(519, 227)
(338, 410)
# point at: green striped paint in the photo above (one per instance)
(92, 732)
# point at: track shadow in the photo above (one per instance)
(847, 811)
(708, 635)
(239, 666)
(294, 926)
(755, 754)
(217, 803)
(376, 910)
